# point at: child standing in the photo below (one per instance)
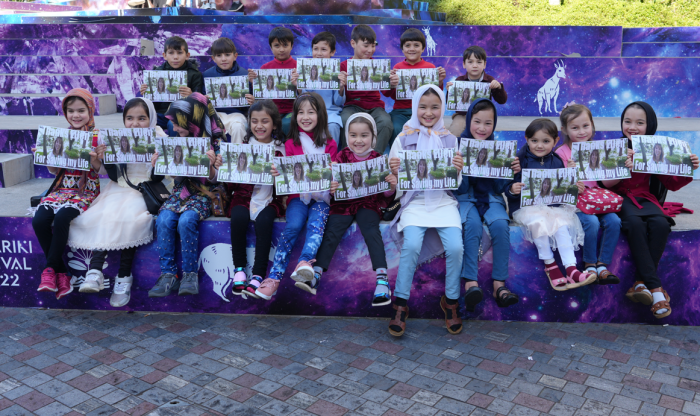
(548, 227)
(427, 213)
(309, 135)
(577, 126)
(362, 134)
(70, 195)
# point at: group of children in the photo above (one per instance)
(428, 223)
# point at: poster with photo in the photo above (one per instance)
(274, 84)
(422, 170)
(163, 85)
(600, 160)
(183, 156)
(412, 79)
(318, 73)
(128, 145)
(661, 155)
(303, 174)
(488, 158)
(549, 187)
(461, 94)
(356, 180)
(246, 163)
(63, 148)
(227, 92)
(368, 74)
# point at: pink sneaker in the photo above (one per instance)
(268, 288)
(304, 272)
(48, 281)
(64, 286)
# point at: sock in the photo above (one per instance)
(318, 271)
(599, 268)
(451, 301)
(645, 289)
(659, 297)
(574, 274)
(382, 283)
(401, 302)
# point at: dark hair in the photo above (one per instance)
(133, 103)
(364, 33)
(271, 110)
(321, 133)
(222, 45)
(176, 43)
(282, 34)
(484, 105)
(542, 124)
(70, 100)
(477, 51)
(412, 35)
(327, 37)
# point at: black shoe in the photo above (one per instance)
(166, 283)
(236, 6)
(506, 298)
(473, 297)
(189, 284)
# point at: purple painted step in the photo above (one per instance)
(70, 47)
(49, 104)
(36, 7)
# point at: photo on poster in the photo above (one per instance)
(163, 85)
(368, 74)
(462, 94)
(183, 156)
(63, 148)
(303, 174)
(274, 84)
(600, 159)
(422, 170)
(225, 92)
(549, 187)
(488, 158)
(318, 73)
(661, 155)
(246, 163)
(412, 79)
(356, 180)
(128, 145)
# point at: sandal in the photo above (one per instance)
(473, 297)
(559, 281)
(505, 297)
(664, 304)
(577, 279)
(381, 298)
(454, 321)
(639, 293)
(399, 320)
(607, 278)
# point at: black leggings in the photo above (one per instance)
(337, 224)
(125, 261)
(53, 242)
(240, 218)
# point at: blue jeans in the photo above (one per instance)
(297, 215)
(413, 242)
(500, 243)
(168, 225)
(611, 232)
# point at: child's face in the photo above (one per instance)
(363, 49)
(580, 129)
(226, 60)
(634, 122)
(412, 51)
(77, 114)
(261, 126)
(281, 51)
(359, 137)
(322, 50)
(429, 110)
(541, 143)
(137, 118)
(474, 66)
(307, 117)
(176, 58)
(181, 131)
(481, 126)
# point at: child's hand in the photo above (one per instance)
(95, 159)
(570, 163)
(33, 149)
(219, 161)
(495, 85)
(442, 74)
(212, 157)
(143, 88)
(696, 162)
(250, 99)
(516, 187)
(342, 80)
(449, 84)
(154, 158)
(295, 77)
(393, 79)
(581, 187)
(629, 164)
(458, 161)
(101, 151)
(394, 164)
(392, 180)
(334, 186)
(184, 91)
(515, 165)
(252, 75)
(273, 171)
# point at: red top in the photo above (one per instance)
(374, 202)
(242, 192)
(293, 150)
(500, 95)
(638, 186)
(406, 104)
(363, 99)
(285, 106)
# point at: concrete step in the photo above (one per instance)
(49, 104)
(15, 168)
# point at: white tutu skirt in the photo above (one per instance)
(116, 220)
(543, 220)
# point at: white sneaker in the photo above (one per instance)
(122, 291)
(94, 282)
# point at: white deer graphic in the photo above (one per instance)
(430, 44)
(550, 89)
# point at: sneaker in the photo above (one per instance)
(268, 288)
(122, 291)
(304, 272)
(64, 286)
(93, 283)
(240, 282)
(166, 282)
(189, 284)
(311, 286)
(253, 285)
(48, 281)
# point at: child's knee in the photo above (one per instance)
(473, 227)
(500, 228)
(659, 223)
(633, 223)
(612, 221)
(188, 222)
(166, 219)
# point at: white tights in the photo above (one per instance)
(564, 245)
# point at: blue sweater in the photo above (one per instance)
(529, 161)
(235, 71)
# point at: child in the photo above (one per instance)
(224, 54)
(427, 213)
(481, 200)
(256, 202)
(577, 126)
(177, 59)
(189, 202)
(364, 43)
(70, 195)
(281, 41)
(474, 61)
(643, 220)
(362, 133)
(412, 45)
(309, 136)
(118, 218)
(548, 227)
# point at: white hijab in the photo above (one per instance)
(374, 131)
